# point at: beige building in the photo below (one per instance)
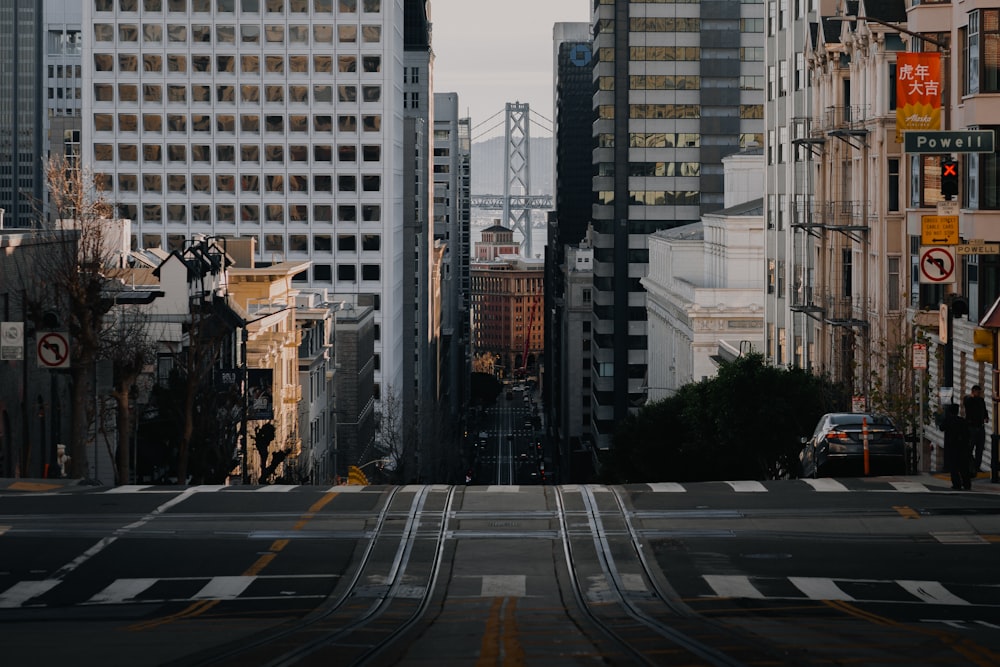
(272, 342)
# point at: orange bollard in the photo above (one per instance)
(864, 439)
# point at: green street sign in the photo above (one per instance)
(949, 141)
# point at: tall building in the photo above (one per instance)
(573, 146)
(452, 221)
(63, 79)
(675, 92)
(277, 119)
(22, 110)
(794, 141)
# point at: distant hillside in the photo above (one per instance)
(488, 177)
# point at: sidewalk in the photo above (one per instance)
(981, 482)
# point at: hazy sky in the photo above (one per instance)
(492, 52)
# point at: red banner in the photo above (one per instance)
(918, 91)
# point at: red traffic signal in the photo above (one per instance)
(949, 178)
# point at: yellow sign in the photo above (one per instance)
(939, 230)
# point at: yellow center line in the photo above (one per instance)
(200, 607)
(978, 655)
(907, 512)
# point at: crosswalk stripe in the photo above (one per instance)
(224, 588)
(826, 485)
(818, 588)
(277, 488)
(733, 586)
(909, 487)
(127, 488)
(747, 486)
(931, 591)
(23, 591)
(121, 590)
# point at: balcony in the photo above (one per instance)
(839, 311)
(803, 302)
(847, 123)
(846, 216)
(291, 393)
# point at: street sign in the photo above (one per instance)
(11, 341)
(939, 230)
(949, 141)
(919, 356)
(53, 349)
(937, 265)
(977, 248)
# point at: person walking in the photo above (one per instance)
(976, 417)
(956, 448)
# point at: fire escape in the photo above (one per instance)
(840, 228)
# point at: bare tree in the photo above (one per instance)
(126, 342)
(397, 438)
(67, 283)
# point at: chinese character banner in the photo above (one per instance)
(918, 91)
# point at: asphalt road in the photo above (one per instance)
(814, 572)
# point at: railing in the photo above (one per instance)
(848, 117)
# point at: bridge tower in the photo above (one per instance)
(516, 168)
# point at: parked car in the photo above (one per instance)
(837, 446)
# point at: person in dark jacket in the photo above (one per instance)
(976, 416)
(957, 456)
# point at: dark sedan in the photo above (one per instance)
(837, 446)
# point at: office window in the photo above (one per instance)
(347, 183)
(225, 213)
(347, 34)
(346, 272)
(250, 64)
(152, 123)
(321, 243)
(372, 34)
(250, 213)
(347, 243)
(347, 213)
(275, 213)
(322, 213)
(152, 33)
(249, 153)
(370, 272)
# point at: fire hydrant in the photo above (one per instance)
(62, 459)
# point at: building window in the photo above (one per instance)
(893, 185)
(892, 291)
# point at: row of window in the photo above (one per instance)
(249, 153)
(249, 123)
(654, 197)
(275, 183)
(176, 62)
(245, 6)
(249, 94)
(180, 33)
(653, 169)
(654, 82)
(251, 213)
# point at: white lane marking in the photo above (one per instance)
(346, 488)
(121, 590)
(128, 488)
(931, 591)
(504, 585)
(493, 488)
(278, 488)
(23, 591)
(826, 485)
(726, 586)
(747, 486)
(4, 529)
(817, 588)
(909, 487)
(107, 541)
(666, 487)
(224, 588)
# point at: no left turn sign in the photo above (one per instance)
(53, 350)
(937, 265)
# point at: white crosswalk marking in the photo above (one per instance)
(931, 591)
(224, 588)
(666, 487)
(728, 586)
(121, 590)
(747, 486)
(826, 485)
(128, 488)
(909, 487)
(23, 591)
(817, 588)
(277, 488)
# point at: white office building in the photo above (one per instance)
(277, 119)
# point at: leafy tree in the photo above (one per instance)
(745, 423)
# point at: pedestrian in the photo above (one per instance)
(956, 448)
(976, 417)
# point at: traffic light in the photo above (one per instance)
(983, 339)
(949, 178)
